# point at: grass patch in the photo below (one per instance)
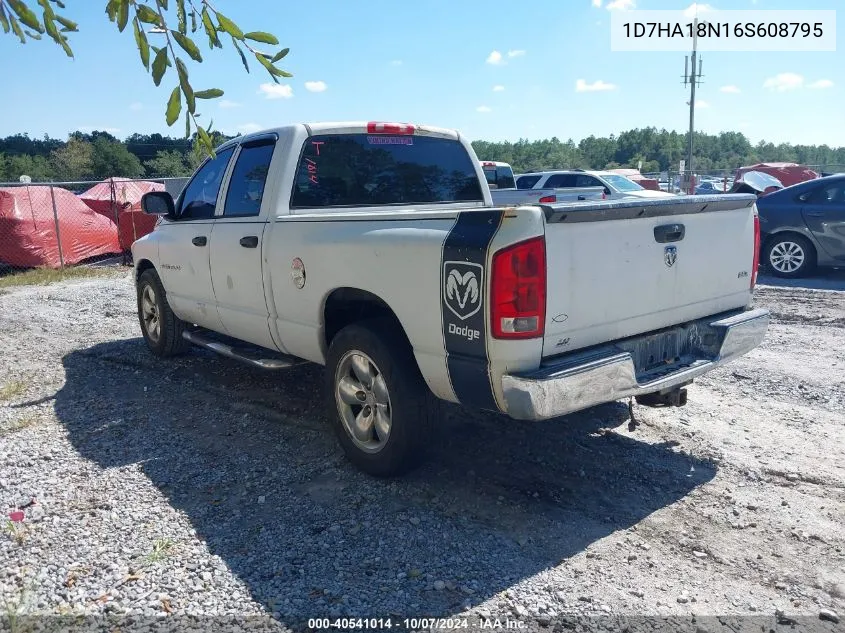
(12, 389)
(161, 550)
(45, 276)
(17, 425)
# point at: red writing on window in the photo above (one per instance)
(312, 170)
(316, 145)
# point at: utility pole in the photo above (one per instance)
(692, 76)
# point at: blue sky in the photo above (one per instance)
(433, 61)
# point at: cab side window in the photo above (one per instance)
(246, 186)
(199, 198)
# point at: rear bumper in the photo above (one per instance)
(640, 365)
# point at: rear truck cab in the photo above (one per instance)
(376, 250)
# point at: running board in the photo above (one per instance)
(255, 356)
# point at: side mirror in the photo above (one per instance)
(158, 203)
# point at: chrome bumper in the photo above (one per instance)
(620, 370)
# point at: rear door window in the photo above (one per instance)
(560, 180)
(353, 170)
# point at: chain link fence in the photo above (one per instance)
(56, 225)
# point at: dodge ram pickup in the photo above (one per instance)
(374, 249)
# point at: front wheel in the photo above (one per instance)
(790, 256)
(161, 328)
(377, 399)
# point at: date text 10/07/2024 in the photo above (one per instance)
(723, 29)
(438, 624)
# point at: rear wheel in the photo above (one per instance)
(377, 399)
(790, 256)
(161, 328)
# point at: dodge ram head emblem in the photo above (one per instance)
(670, 255)
(462, 287)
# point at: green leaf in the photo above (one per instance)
(145, 14)
(174, 106)
(187, 125)
(66, 47)
(4, 21)
(51, 29)
(275, 72)
(211, 93)
(16, 28)
(141, 41)
(186, 85)
(193, 21)
(280, 54)
(261, 36)
(26, 15)
(241, 53)
(210, 31)
(122, 15)
(205, 141)
(48, 11)
(69, 25)
(111, 9)
(180, 14)
(58, 3)
(159, 65)
(229, 27)
(162, 4)
(187, 45)
(34, 36)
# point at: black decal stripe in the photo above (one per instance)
(464, 320)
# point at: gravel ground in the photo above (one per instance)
(202, 489)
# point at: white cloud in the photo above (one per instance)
(498, 88)
(315, 86)
(226, 104)
(597, 86)
(730, 89)
(275, 91)
(248, 128)
(517, 53)
(483, 108)
(784, 81)
(494, 58)
(697, 8)
(621, 5)
(821, 83)
(396, 62)
(701, 103)
(597, 4)
(136, 106)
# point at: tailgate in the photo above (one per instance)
(620, 268)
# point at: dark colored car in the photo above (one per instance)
(707, 187)
(803, 226)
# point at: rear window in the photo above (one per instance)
(351, 170)
(500, 177)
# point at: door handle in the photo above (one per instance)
(250, 241)
(666, 233)
(199, 240)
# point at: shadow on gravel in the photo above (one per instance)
(822, 279)
(498, 503)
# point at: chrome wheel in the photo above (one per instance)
(363, 401)
(787, 257)
(150, 314)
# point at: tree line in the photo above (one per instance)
(99, 155)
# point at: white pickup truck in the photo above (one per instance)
(374, 249)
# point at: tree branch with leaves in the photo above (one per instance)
(193, 18)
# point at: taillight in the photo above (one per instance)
(756, 262)
(390, 128)
(518, 290)
(547, 199)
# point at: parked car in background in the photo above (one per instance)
(708, 187)
(500, 181)
(498, 175)
(635, 176)
(803, 226)
(615, 185)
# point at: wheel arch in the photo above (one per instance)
(347, 305)
(142, 266)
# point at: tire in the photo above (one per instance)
(400, 398)
(161, 328)
(790, 256)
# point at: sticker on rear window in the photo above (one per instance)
(390, 140)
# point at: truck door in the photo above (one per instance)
(184, 245)
(824, 213)
(236, 247)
